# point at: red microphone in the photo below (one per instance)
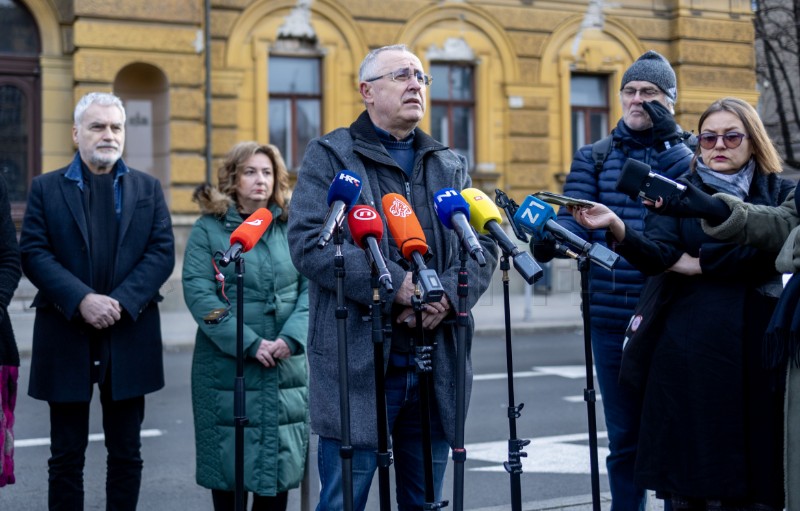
(247, 235)
(407, 233)
(366, 228)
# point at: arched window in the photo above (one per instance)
(20, 100)
(144, 91)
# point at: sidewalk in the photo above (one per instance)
(528, 313)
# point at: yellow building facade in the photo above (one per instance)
(523, 54)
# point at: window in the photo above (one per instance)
(20, 97)
(589, 101)
(295, 105)
(452, 99)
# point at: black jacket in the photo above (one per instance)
(56, 259)
(711, 413)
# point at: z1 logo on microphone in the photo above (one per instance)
(528, 213)
(364, 214)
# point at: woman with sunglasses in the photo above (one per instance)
(711, 430)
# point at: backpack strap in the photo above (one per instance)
(600, 151)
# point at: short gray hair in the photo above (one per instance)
(100, 98)
(367, 69)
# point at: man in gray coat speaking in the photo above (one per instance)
(391, 155)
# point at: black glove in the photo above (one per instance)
(665, 129)
(693, 203)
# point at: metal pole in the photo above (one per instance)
(207, 34)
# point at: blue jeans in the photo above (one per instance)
(622, 410)
(403, 413)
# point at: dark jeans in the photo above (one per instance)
(622, 413)
(226, 501)
(403, 411)
(69, 437)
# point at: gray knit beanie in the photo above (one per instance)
(654, 68)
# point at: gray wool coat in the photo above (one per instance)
(359, 150)
(773, 228)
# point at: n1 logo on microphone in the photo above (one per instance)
(400, 209)
(450, 192)
(350, 179)
(364, 214)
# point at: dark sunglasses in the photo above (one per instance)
(731, 139)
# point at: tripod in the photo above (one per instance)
(384, 455)
(424, 366)
(346, 449)
(462, 322)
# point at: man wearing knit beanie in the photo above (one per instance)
(653, 67)
(647, 132)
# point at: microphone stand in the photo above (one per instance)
(462, 322)
(583, 260)
(515, 445)
(589, 393)
(384, 455)
(346, 449)
(424, 366)
(240, 419)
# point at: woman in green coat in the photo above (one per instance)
(275, 327)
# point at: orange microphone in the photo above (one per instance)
(245, 237)
(408, 234)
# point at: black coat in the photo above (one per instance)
(10, 273)
(711, 416)
(56, 258)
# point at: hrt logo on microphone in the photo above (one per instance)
(255, 222)
(400, 209)
(364, 214)
(350, 179)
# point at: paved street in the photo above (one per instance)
(549, 380)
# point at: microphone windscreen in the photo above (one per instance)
(482, 209)
(534, 213)
(345, 187)
(448, 201)
(364, 221)
(631, 178)
(404, 225)
(251, 230)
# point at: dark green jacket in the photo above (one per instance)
(275, 305)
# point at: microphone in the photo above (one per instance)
(486, 219)
(408, 234)
(367, 229)
(537, 216)
(247, 235)
(343, 193)
(453, 211)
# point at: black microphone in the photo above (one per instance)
(367, 228)
(453, 211)
(343, 193)
(537, 216)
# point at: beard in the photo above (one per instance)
(104, 159)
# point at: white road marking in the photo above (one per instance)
(94, 437)
(561, 454)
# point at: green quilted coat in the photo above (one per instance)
(275, 305)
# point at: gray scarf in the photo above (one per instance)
(737, 184)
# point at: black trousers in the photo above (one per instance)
(226, 501)
(69, 437)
